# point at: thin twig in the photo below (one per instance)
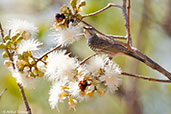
(116, 37)
(28, 109)
(101, 10)
(127, 22)
(129, 74)
(9, 54)
(129, 32)
(114, 47)
(2, 32)
(86, 59)
(44, 55)
(149, 62)
(145, 78)
(9, 33)
(127, 47)
(125, 16)
(109, 36)
(2, 93)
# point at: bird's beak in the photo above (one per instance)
(86, 33)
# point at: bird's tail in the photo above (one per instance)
(146, 60)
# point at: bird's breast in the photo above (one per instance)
(94, 42)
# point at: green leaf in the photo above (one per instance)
(73, 3)
(40, 73)
(65, 9)
(27, 54)
(15, 36)
(2, 46)
(79, 16)
(82, 3)
(19, 39)
(8, 43)
(4, 54)
(6, 37)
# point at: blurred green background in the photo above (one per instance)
(151, 33)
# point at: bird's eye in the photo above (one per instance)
(88, 28)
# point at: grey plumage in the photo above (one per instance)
(108, 46)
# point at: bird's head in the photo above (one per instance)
(88, 31)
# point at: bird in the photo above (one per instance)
(104, 45)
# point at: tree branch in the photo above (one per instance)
(145, 78)
(129, 31)
(28, 109)
(44, 55)
(149, 62)
(86, 59)
(126, 47)
(101, 10)
(97, 12)
(127, 21)
(9, 54)
(2, 32)
(114, 47)
(129, 74)
(2, 93)
(109, 36)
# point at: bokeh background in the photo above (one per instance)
(151, 33)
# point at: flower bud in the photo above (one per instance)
(8, 43)
(40, 73)
(101, 92)
(4, 54)
(2, 46)
(90, 94)
(7, 63)
(64, 94)
(15, 36)
(6, 37)
(72, 102)
(19, 39)
(26, 35)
